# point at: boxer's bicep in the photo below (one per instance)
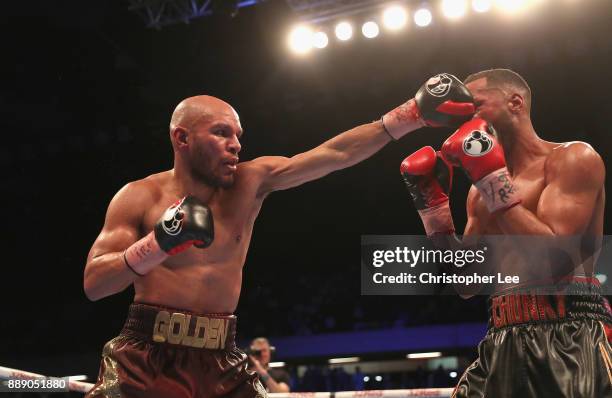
(567, 202)
(284, 173)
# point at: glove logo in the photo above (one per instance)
(477, 143)
(439, 85)
(173, 219)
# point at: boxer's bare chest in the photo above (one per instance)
(234, 214)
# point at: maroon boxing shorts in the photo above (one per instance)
(163, 352)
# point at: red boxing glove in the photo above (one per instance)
(474, 148)
(428, 178)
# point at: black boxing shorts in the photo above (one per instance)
(543, 345)
(164, 352)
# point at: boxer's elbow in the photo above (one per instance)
(97, 286)
(95, 291)
(91, 289)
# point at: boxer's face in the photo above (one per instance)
(491, 103)
(215, 147)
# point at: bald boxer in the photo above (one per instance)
(538, 344)
(181, 238)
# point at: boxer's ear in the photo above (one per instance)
(180, 136)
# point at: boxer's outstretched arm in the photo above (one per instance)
(575, 179)
(342, 151)
(105, 271)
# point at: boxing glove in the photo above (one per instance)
(428, 178)
(474, 148)
(443, 101)
(186, 223)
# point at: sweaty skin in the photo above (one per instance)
(561, 185)
(205, 134)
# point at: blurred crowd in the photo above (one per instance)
(323, 305)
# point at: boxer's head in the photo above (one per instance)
(502, 97)
(205, 133)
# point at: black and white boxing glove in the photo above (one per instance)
(186, 223)
(443, 101)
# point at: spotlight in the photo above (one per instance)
(344, 31)
(454, 8)
(422, 17)
(370, 29)
(300, 39)
(378, 378)
(366, 378)
(320, 40)
(453, 374)
(395, 17)
(481, 5)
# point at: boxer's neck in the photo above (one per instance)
(187, 184)
(522, 145)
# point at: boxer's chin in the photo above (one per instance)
(216, 180)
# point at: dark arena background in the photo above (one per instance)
(86, 98)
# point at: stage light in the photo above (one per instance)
(370, 29)
(422, 17)
(423, 355)
(454, 8)
(366, 378)
(481, 5)
(320, 40)
(378, 378)
(300, 39)
(343, 360)
(344, 31)
(395, 17)
(453, 374)
(276, 364)
(510, 6)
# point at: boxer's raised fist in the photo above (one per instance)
(185, 223)
(442, 101)
(445, 101)
(429, 178)
(474, 148)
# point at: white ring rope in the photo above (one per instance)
(9, 373)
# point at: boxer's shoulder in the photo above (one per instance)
(144, 192)
(257, 170)
(574, 157)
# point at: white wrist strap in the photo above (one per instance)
(437, 219)
(498, 190)
(144, 255)
(402, 120)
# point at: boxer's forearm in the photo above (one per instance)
(355, 145)
(107, 275)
